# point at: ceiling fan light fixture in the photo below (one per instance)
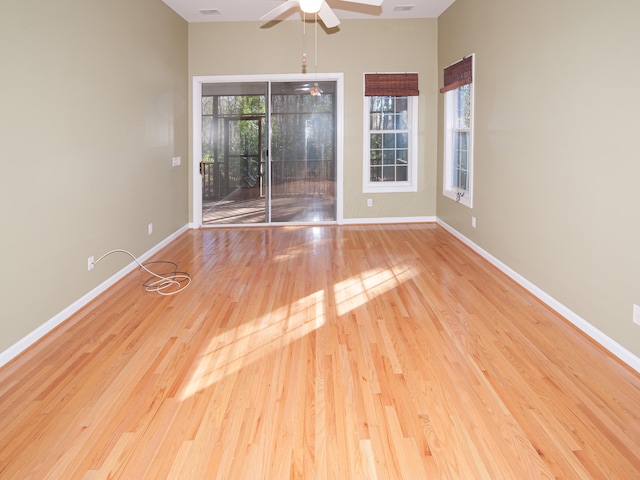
(310, 6)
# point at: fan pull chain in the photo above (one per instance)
(304, 39)
(315, 41)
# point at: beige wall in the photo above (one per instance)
(359, 46)
(556, 152)
(93, 102)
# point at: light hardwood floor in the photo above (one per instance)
(355, 352)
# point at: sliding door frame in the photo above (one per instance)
(196, 134)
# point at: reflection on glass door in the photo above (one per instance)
(233, 153)
(244, 181)
(303, 152)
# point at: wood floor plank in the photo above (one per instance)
(324, 352)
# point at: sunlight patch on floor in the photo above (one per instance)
(359, 289)
(250, 341)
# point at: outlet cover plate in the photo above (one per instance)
(636, 314)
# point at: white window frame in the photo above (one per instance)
(464, 197)
(411, 185)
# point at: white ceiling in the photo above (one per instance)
(252, 10)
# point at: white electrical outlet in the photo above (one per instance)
(176, 161)
(90, 264)
(150, 228)
(473, 222)
(636, 314)
(369, 202)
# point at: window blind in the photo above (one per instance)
(391, 85)
(458, 74)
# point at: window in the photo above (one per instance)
(458, 126)
(390, 140)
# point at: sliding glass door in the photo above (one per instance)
(303, 152)
(233, 166)
(268, 161)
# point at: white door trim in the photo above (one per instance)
(196, 154)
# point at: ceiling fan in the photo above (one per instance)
(312, 89)
(320, 7)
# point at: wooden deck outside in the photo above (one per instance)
(246, 206)
(285, 209)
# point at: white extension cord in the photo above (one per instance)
(168, 283)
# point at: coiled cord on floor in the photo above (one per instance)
(167, 283)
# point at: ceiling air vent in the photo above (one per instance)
(403, 8)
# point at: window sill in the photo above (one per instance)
(463, 198)
(389, 187)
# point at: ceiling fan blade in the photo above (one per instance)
(375, 3)
(279, 10)
(327, 16)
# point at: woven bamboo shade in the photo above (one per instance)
(391, 84)
(458, 74)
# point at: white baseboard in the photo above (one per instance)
(60, 317)
(371, 221)
(607, 342)
(344, 221)
(612, 346)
